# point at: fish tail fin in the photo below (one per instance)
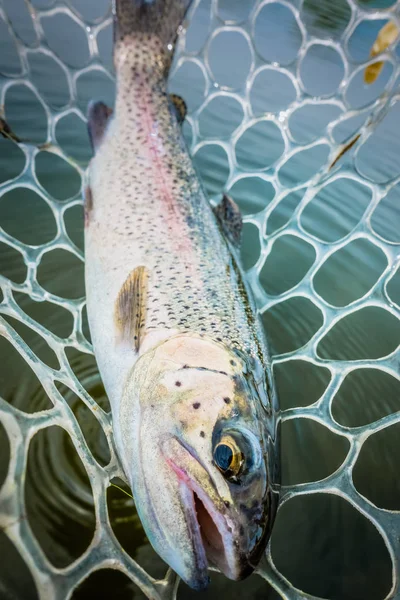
(149, 25)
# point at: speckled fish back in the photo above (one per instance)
(149, 210)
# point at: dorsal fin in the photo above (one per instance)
(98, 116)
(130, 307)
(230, 218)
(180, 107)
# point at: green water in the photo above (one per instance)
(320, 543)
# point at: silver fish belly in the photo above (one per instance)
(174, 329)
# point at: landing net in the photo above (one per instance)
(267, 118)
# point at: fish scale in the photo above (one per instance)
(160, 219)
(175, 332)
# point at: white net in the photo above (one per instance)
(273, 90)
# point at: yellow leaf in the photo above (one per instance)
(386, 36)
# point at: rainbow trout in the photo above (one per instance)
(174, 329)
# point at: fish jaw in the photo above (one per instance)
(205, 503)
(164, 507)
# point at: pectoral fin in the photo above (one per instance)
(98, 116)
(130, 308)
(230, 218)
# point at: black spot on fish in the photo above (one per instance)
(178, 383)
(227, 400)
(233, 363)
(196, 405)
(202, 434)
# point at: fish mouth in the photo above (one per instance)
(212, 531)
(211, 537)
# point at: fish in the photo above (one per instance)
(175, 331)
(386, 36)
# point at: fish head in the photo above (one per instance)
(200, 457)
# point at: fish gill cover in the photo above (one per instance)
(292, 114)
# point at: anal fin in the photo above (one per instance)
(98, 117)
(131, 306)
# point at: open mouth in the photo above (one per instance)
(212, 536)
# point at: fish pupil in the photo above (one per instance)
(223, 457)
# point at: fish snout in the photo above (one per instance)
(218, 537)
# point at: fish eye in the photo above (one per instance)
(228, 457)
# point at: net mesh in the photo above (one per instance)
(265, 111)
